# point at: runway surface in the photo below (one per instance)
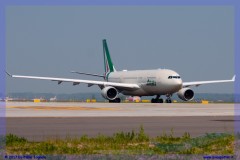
(30, 109)
(39, 121)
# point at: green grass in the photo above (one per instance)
(130, 143)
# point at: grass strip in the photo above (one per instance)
(131, 143)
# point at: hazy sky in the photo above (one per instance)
(197, 42)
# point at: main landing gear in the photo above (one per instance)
(160, 100)
(157, 100)
(117, 100)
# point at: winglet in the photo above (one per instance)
(8, 74)
(233, 79)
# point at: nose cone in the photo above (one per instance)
(177, 84)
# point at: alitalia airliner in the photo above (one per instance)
(156, 82)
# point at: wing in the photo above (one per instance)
(197, 83)
(101, 84)
(89, 74)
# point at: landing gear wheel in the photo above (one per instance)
(153, 101)
(160, 100)
(117, 100)
(168, 101)
(157, 100)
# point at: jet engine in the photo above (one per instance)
(109, 93)
(185, 94)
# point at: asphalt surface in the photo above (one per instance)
(38, 129)
(40, 121)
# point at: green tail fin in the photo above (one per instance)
(108, 65)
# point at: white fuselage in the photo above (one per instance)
(151, 82)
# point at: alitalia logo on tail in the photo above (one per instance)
(108, 65)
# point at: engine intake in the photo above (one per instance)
(185, 94)
(109, 93)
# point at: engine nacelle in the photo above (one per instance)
(185, 94)
(109, 93)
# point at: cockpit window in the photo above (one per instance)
(174, 77)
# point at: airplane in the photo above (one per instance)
(156, 82)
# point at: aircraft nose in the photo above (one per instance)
(178, 83)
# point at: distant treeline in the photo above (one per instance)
(216, 97)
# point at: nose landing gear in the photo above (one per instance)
(168, 100)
